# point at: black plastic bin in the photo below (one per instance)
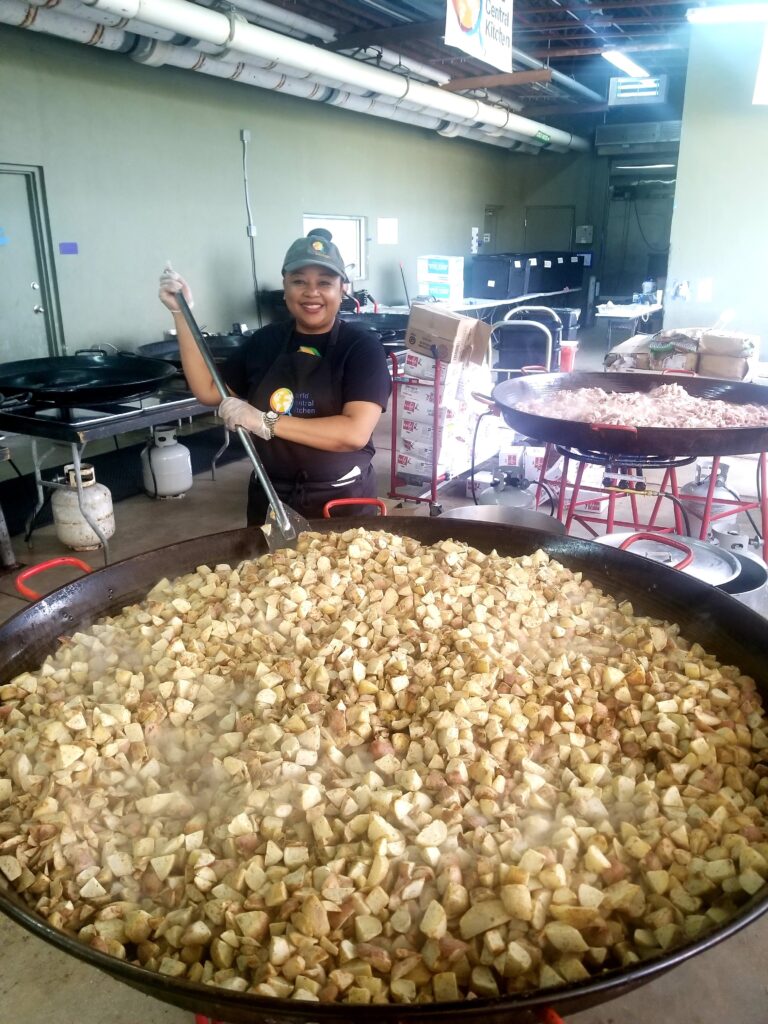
(526, 345)
(570, 319)
(497, 276)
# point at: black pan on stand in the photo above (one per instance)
(666, 441)
(727, 629)
(85, 379)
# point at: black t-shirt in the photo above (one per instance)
(358, 373)
(358, 361)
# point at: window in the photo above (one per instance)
(349, 235)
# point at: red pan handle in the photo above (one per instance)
(685, 373)
(337, 502)
(611, 426)
(548, 1016)
(33, 570)
(660, 538)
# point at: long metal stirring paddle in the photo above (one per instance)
(285, 523)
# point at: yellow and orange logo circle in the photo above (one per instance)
(281, 400)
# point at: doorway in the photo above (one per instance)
(549, 228)
(30, 317)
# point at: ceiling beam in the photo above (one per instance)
(554, 110)
(603, 5)
(389, 36)
(591, 51)
(613, 37)
(620, 21)
(498, 81)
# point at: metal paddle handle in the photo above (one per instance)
(283, 522)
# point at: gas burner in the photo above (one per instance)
(625, 461)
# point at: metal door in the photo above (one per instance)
(29, 317)
(549, 228)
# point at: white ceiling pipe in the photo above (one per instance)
(78, 10)
(38, 19)
(210, 26)
(307, 26)
(282, 19)
(238, 57)
(558, 78)
(154, 54)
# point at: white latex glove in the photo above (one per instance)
(237, 413)
(171, 284)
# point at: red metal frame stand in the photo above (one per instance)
(590, 504)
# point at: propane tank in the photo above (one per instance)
(700, 486)
(166, 466)
(507, 490)
(71, 526)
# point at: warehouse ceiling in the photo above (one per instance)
(567, 36)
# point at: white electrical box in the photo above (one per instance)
(584, 233)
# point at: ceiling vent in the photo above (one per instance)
(645, 137)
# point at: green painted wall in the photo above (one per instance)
(142, 165)
(719, 223)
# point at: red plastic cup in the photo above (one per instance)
(568, 351)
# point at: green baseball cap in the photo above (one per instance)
(314, 251)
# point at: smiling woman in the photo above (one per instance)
(311, 391)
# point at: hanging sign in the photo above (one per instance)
(481, 28)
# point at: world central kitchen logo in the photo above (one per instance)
(495, 24)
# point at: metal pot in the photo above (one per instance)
(734, 634)
(751, 585)
(705, 562)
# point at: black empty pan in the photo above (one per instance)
(87, 378)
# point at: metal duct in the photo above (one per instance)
(210, 26)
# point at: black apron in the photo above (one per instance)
(306, 478)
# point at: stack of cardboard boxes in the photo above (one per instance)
(439, 416)
(709, 353)
(440, 277)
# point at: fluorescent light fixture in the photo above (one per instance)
(760, 96)
(626, 64)
(643, 167)
(728, 14)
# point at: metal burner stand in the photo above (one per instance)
(586, 501)
(79, 431)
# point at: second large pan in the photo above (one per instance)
(727, 629)
(663, 441)
(87, 378)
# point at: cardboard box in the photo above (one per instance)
(440, 268)
(729, 343)
(414, 430)
(434, 332)
(423, 367)
(441, 291)
(483, 480)
(725, 367)
(674, 361)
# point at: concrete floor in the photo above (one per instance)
(728, 985)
